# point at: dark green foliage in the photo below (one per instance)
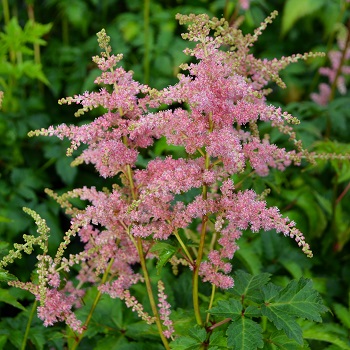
(256, 297)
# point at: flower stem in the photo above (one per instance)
(150, 293)
(93, 307)
(144, 267)
(195, 279)
(183, 246)
(26, 333)
(196, 271)
(213, 289)
(146, 56)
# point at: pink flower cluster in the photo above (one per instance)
(164, 310)
(214, 112)
(335, 73)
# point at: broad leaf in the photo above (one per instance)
(282, 320)
(302, 300)
(297, 300)
(227, 308)
(218, 341)
(7, 298)
(244, 334)
(343, 314)
(193, 341)
(279, 341)
(249, 286)
(318, 333)
(296, 9)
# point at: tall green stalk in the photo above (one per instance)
(5, 7)
(145, 270)
(146, 56)
(93, 307)
(195, 278)
(30, 319)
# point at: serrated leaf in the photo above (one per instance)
(194, 340)
(270, 291)
(218, 341)
(296, 9)
(283, 320)
(279, 340)
(244, 334)
(297, 300)
(198, 333)
(185, 343)
(303, 300)
(252, 311)
(249, 286)
(231, 308)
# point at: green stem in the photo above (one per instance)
(30, 319)
(212, 296)
(183, 246)
(93, 307)
(196, 269)
(144, 268)
(6, 11)
(146, 65)
(36, 46)
(150, 293)
(195, 278)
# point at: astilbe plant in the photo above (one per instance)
(214, 113)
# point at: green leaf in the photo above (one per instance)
(231, 308)
(296, 9)
(66, 172)
(193, 341)
(244, 334)
(4, 219)
(252, 311)
(249, 286)
(318, 333)
(6, 276)
(270, 291)
(3, 340)
(297, 300)
(7, 298)
(342, 313)
(165, 252)
(283, 320)
(279, 340)
(248, 257)
(303, 300)
(218, 341)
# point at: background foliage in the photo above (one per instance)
(45, 54)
